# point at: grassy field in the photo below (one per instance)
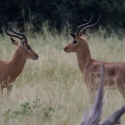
(51, 90)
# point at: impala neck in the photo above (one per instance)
(17, 62)
(84, 57)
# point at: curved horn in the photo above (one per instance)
(87, 27)
(13, 35)
(21, 34)
(83, 25)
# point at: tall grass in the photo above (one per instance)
(51, 90)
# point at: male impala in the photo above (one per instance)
(115, 71)
(10, 69)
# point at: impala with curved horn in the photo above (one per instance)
(93, 118)
(115, 71)
(10, 69)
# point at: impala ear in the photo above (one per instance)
(14, 41)
(73, 35)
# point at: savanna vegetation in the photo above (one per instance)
(51, 90)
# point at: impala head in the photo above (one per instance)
(78, 39)
(23, 45)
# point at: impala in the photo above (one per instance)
(115, 71)
(10, 69)
(93, 118)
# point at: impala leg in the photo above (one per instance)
(92, 95)
(92, 91)
(9, 89)
(1, 88)
(121, 88)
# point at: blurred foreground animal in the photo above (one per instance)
(10, 69)
(93, 118)
(90, 68)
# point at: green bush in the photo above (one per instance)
(26, 109)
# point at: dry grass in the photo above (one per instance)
(56, 80)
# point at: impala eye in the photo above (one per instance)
(74, 41)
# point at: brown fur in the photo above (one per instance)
(10, 69)
(115, 71)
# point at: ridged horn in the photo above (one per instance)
(83, 25)
(18, 33)
(89, 26)
(12, 35)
